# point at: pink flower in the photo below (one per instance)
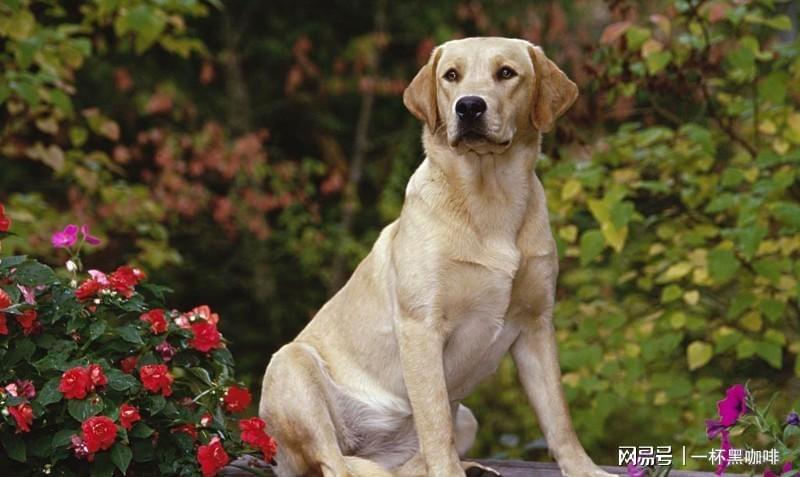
(100, 277)
(636, 470)
(733, 406)
(725, 454)
(89, 238)
(23, 387)
(65, 238)
(28, 293)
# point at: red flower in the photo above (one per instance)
(97, 376)
(253, 433)
(188, 429)
(5, 221)
(212, 457)
(156, 378)
(87, 289)
(128, 414)
(128, 365)
(99, 433)
(124, 278)
(206, 419)
(5, 302)
(23, 414)
(158, 324)
(206, 336)
(76, 383)
(237, 399)
(27, 320)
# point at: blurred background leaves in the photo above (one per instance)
(248, 153)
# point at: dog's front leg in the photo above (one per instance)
(536, 356)
(421, 356)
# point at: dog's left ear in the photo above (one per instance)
(420, 96)
(553, 92)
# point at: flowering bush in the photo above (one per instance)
(96, 375)
(739, 415)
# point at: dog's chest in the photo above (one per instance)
(476, 303)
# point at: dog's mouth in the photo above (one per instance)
(475, 136)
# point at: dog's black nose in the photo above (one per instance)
(470, 108)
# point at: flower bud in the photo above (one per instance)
(71, 267)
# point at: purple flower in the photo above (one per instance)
(786, 468)
(636, 470)
(725, 455)
(65, 238)
(713, 428)
(89, 238)
(166, 350)
(793, 419)
(733, 406)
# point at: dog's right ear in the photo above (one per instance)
(420, 96)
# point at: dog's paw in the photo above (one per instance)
(476, 470)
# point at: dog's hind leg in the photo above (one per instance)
(296, 407)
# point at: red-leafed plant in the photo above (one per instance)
(98, 377)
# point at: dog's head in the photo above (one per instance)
(479, 93)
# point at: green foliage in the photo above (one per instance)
(685, 274)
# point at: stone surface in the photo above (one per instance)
(516, 468)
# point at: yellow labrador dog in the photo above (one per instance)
(372, 386)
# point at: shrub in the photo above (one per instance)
(98, 376)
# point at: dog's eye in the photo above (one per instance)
(506, 73)
(451, 75)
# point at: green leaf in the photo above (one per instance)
(773, 88)
(698, 354)
(49, 393)
(671, 293)
(202, 374)
(157, 404)
(121, 456)
(11, 262)
(636, 36)
(102, 465)
(657, 61)
(787, 212)
(790, 431)
(14, 446)
(130, 334)
(749, 240)
(591, 245)
(63, 438)
(32, 273)
(22, 349)
(96, 329)
(779, 22)
(722, 264)
(745, 348)
(82, 409)
(141, 430)
(772, 309)
(119, 381)
(771, 353)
